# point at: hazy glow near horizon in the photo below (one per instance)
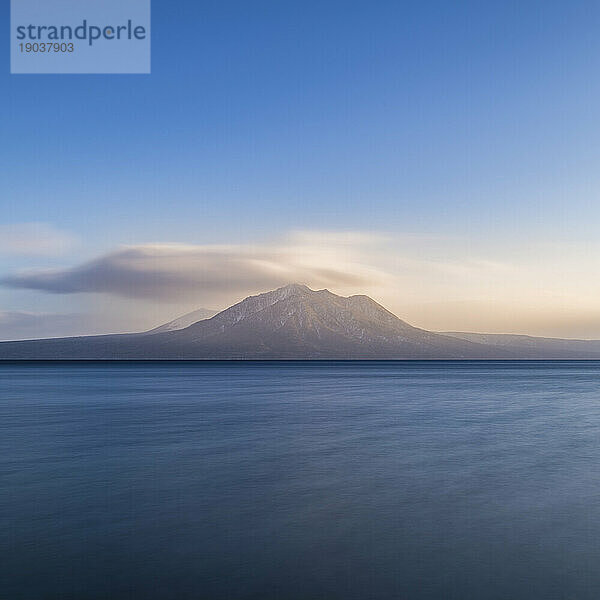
(438, 283)
(441, 158)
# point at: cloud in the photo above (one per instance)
(174, 272)
(36, 239)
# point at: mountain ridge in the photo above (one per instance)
(295, 322)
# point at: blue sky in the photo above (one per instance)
(472, 124)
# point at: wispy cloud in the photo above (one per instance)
(34, 239)
(169, 272)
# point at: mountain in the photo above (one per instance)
(185, 320)
(297, 322)
(293, 322)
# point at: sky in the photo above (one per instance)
(442, 157)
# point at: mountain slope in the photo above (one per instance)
(184, 321)
(293, 322)
(551, 347)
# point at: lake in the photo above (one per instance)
(300, 481)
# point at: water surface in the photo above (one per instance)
(300, 481)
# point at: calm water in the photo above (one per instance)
(300, 481)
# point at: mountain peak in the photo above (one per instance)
(295, 322)
(300, 289)
(295, 287)
(185, 320)
(291, 289)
